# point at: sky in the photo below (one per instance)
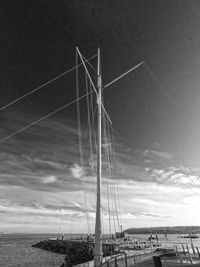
(154, 112)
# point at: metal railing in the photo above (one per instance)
(126, 259)
(182, 254)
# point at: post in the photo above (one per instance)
(125, 258)
(183, 249)
(115, 261)
(190, 258)
(165, 263)
(98, 235)
(198, 252)
(157, 261)
(193, 249)
(178, 255)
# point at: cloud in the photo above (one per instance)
(155, 215)
(39, 167)
(77, 171)
(163, 154)
(49, 179)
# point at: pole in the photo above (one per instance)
(98, 235)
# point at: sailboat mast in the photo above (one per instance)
(98, 234)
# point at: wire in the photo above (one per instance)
(44, 84)
(157, 126)
(89, 64)
(187, 118)
(45, 117)
(57, 110)
(124, 74)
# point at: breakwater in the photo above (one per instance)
(76, 251)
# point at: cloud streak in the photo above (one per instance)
(42, 166)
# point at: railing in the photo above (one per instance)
(126, 259)
(183, 253)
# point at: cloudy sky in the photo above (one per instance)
(154, 111)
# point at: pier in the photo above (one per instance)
(168, 255)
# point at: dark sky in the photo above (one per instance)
(154, 110)
(38, 40)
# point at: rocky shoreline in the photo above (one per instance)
(76, 251)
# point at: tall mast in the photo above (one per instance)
(98, 234)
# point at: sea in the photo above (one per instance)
(16, 249)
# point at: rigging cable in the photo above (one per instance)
(108, 177)
(157, 126)
(80, 142)
(111, 161)
(166, 92)
(43, 118)
(89, 123)
(59, 109)
(113, 180)
(109, 166)
(87, 61)
(44, 84)
(115, 184)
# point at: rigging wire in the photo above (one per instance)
(78, 185)
(122, 75)
(114, 173)
(87, 61)
(157, 126)
(142, 42)
(43, 118)
(166, 92)
(108, 174)
(44, 84)
(75, 209)
(52, 113)
(160, 165)
(112, 152)
(89, 123)
(186, 118)
(85, 187)
(80, 142)
(126, 142)
(110, 162)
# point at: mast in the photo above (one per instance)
(98, 254)
(98, 234)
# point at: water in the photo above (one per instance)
(16, 251)
(172, 238)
